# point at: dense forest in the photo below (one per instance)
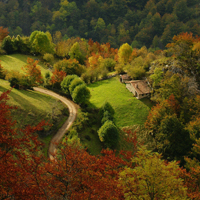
(137, 22)
(82, 44)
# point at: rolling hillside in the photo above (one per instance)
(128, 110)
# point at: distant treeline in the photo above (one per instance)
(137, 22)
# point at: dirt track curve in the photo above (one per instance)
(61, 132)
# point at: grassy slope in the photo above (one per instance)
(32, 107)
(128, 110)
(17, 61)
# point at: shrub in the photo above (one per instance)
(66, 83)
(18, 80)
(48, 57)
(8, 45)
(70, 66)
(104, 73)
(81, 94)
(2, 72)
(106, 107)
(108, 134)
(75, 82)
(86, 77)
(109, 64)
(106, 116)
(14, 82)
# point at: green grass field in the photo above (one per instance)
(128, 110)
(17, 61)
(34, 107)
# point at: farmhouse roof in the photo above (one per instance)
(140, 86)
(125, 76)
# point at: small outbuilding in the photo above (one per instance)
(139, 88)
(124, 78)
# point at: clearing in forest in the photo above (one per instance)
(128, 110)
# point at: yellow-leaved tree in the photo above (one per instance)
(152, 178)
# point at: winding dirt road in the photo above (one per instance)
(61, 132)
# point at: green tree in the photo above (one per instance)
(8, 45)
(81, 94)
(75, 53)
(157, 76)
(181, 10)
(100, 25)
(152, 178)
(106, 117)
(40, 43)
(106, 107)
(66, 83)
(109, 134)
(173, 141)
(70, 66)
(109, 64)
(124, 53)
(75, 82)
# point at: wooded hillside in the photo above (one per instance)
(151, 23)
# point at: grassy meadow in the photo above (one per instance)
(128, 110)
(34, 107)
(17, 61)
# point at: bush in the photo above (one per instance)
(18, 80)
(48, 58)
(106, 107)
(81, 94)
(86, 77)
(66, 83)
(106, 116)
(109, 64)
(108, 134)
(8, 45)
(2, 72)
(120, 68)
(14, 82)
(70, 67)
(75, 82)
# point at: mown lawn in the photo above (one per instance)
(128, 110)
(34, 107)
(17, 61)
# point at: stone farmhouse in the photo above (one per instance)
(139, 88)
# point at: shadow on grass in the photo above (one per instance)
(147, 102)
(3, 89)
(98, 83)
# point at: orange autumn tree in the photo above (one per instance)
(3, 33)
(33, 72)
(78, 175)
(186, 48)
(57, 77)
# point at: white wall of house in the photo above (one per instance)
(131, 89)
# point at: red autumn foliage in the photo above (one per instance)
(103, 50)
(75, 174)
(191, 181)
(173, 103)
(20, 162)
(78, 175)
(57, 76)
(3, 32)
(184, 38)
